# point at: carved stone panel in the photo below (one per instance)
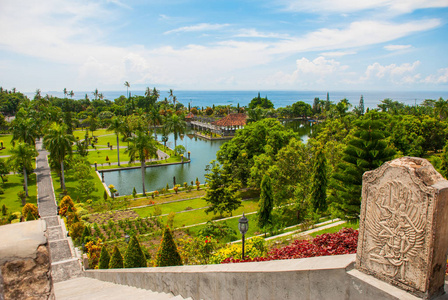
(403, 217)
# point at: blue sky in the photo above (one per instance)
(224, 45)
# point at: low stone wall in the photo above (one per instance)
(328, 277)
(25, 266)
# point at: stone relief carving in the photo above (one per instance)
(397, 227)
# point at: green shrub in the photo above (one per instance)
(134, 257)
(167, 255)
(116, 261)
(104, 259)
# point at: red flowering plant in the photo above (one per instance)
(343, 242)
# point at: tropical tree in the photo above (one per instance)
(22, 160)
(367, 150)
(24, 130)
(154, 118)
(176, 125)
(116, 126)
(141, 147)
(127, 85)
(59, 143)
(266, 204)
(319, 182)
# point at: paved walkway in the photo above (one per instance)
(65, 263)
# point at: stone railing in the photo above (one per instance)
(329, 277)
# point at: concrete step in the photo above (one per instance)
(60, 250)
(64, 270)
(88, 288)
(51, 220)
(55, 233)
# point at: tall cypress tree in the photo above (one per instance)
(361, 105)
(319, 181)
(134, 257)
(367, 150)
(104, 259)
(167, 255)
(116, 261)
(266, 203)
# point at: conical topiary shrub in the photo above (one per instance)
(134, 257)
(116, 261)
(104, 259)
(167, 255)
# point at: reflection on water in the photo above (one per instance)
(202, 152)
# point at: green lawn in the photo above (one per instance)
(6, 139)
(336, 228)
(71, 183)
(12, 187)
(169, 207)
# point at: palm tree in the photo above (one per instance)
(127, 85)
(59, 143)
(22, 159)
(71, 94)
(96, 94)
(142, 146)
(117, 126)
(65, 93)
(154, 118)
(441, 108)
(176, 125)
(148, 92)
(24, 130)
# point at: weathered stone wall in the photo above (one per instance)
(25, 264)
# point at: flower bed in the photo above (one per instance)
(343, 242)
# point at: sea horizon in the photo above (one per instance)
(280, 98)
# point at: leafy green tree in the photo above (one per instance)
(134, 257)
(261, 102)
(301, 109)
(319, 181)
(24, 130)
(176, 125)
(4, 170)
(154, 118)
(22, 157)
(167, 255)
(116, 126)
(104, 259)
(59, 143)
(116, 260)
(222, 194)
(444, 162)
(367, 150)
(266, 204)
(141, 147)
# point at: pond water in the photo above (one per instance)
(202, 152)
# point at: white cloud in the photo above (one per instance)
(350, 6)
(397, 47)
(357, 34)
(253, 33)
(198, 27)
(440, 77)
(399, 74)
(337, 53)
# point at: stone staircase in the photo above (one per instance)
(89, 288)
(65, 262)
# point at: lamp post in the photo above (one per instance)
(243, 226)
(126, 238)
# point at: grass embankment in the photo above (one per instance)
(15, 185)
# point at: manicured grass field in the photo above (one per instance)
(71, 183)
(12, 187)
(336, 228)
(6, 138)
(169, 207)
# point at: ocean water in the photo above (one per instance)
(278, 98)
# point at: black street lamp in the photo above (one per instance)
(126, 238)
(243, 226)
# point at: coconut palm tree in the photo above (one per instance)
(71, 94)
(116, 126)
(142, 146)
(154, 118)
(59, 143)
(65, 93)
(24, 130)
(96, 94)
(127, 85)
(176, 125)
(22, 160)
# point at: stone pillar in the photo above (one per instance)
(403, 232)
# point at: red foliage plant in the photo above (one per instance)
(343, 242)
